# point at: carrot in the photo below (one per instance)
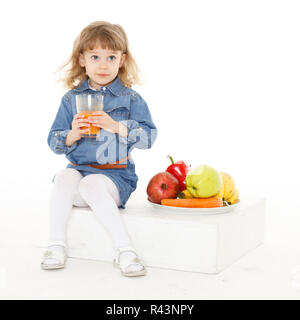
(194, 203)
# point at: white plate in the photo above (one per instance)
(194, 211)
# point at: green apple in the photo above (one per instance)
(203, 181)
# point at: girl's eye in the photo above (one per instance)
(94, 57)
(111, 58)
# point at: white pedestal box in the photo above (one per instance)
(164, 239)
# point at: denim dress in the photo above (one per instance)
(123, 105)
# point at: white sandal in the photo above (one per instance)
(134, 261)
(54, 254)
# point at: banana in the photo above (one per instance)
(220, 194)
(234, 198)
(185, 194)
(228, 185)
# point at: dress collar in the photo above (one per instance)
(116, 87)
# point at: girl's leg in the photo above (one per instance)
(79, 201)
(61, 201)
(102, 195)
(62, 196)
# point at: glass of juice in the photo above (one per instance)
(85, 105)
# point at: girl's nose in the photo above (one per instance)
(102, 65)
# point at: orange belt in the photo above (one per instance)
(113, 165)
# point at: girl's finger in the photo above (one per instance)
(94, 123)
(98, 112)
(82, 121)
(86, 125)
(77, 116)
(82, 124)
(84, 130)
(76, 122)
(94, 118)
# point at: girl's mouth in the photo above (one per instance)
(103, 75)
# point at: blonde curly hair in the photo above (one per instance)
(112, 37)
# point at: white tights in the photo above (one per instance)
(96, 191)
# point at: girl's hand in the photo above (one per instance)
(77, 124)
(103, 120)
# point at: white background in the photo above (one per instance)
(221, 79)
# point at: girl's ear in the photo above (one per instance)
(81, 60)
(123, 58)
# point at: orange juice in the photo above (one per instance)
(93, 130)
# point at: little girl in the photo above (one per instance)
(101, 173)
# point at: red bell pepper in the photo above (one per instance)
(179, 170)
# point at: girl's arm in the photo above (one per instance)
(141, 131)
(60, 129)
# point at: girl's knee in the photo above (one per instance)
(67, 175)
(99, 185)
(91, 183)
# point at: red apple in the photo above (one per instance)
(162, 186)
